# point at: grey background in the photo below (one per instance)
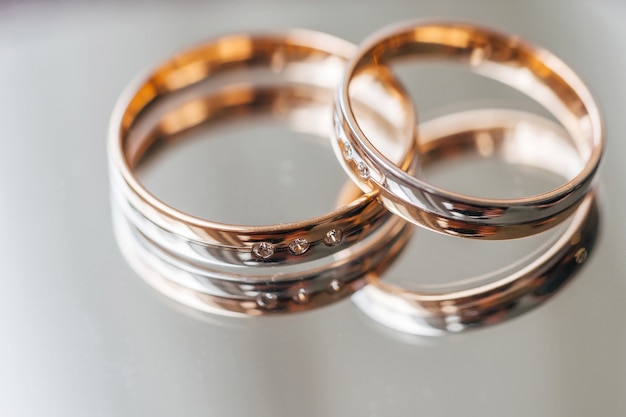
(81, 334)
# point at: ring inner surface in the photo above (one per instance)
(261, 158)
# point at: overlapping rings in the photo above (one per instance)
(252, 270)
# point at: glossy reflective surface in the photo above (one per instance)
(501, 294)
(83, 335)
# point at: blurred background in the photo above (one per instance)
(82, 334)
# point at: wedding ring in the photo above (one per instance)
(524, 285)
(505, 58)
(261, 291)
(251, 270)
(244, 73)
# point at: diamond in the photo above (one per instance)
(333, 237)
(301, 296)
(267, 300)
(299, 246)
(347, 150)
(334, 286)
(364, 171)
(263, 250)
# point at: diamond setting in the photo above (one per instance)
(299, 246)
(267, 300)
(364, 171)
(301, 296)
(334, 286)
(333, 237)
(348, 152)
(263, 250)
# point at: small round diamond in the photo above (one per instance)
(334, 286)
(299, 246)
(364, 171)
(333, 237)
(267, 300)
(263, 250)
(347, 150)
(301, 297)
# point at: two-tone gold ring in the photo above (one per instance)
(532, 70)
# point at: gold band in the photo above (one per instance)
(287, 267)
(239, 74)
(505, 58)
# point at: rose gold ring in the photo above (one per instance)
(511, 291)
(246, 72)
(506, 58)
(235, 270)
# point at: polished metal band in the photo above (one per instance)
(490, 299)
(259, 291)
(231, 76)
(505, 58)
